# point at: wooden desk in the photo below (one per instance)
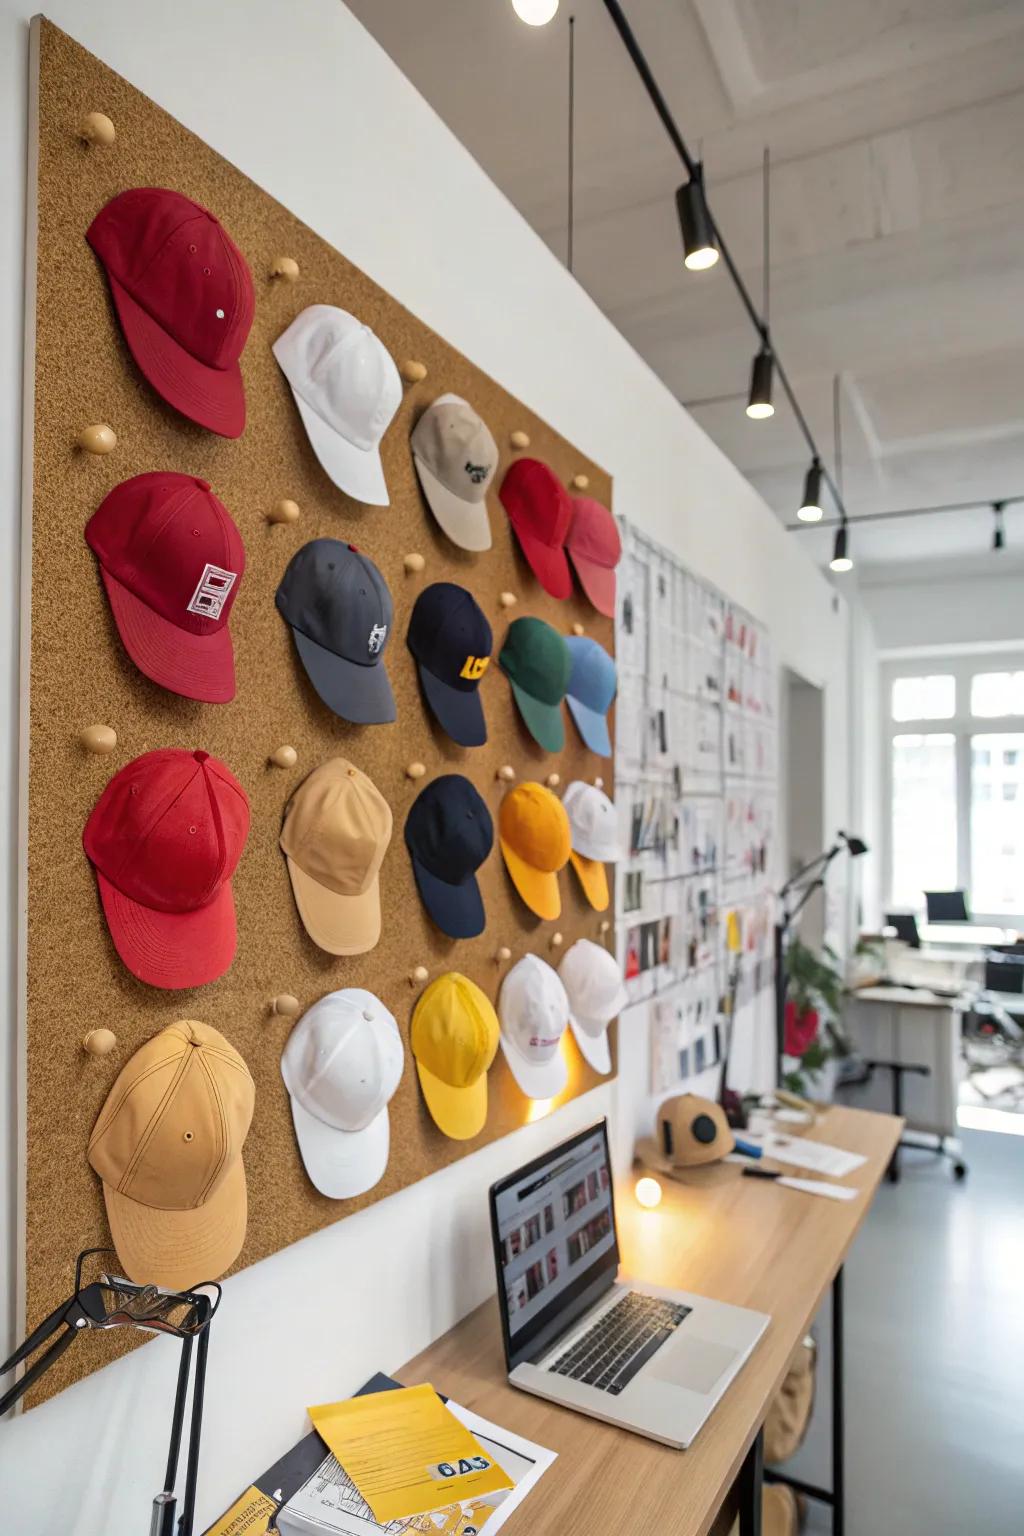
(740, 1240)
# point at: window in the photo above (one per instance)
(924, 851)
(997, 826)
(924, 698)
(997, 693)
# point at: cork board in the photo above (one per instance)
(80, 675)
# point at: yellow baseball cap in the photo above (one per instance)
(533, 830)
(168, 1147)
(454, 1038)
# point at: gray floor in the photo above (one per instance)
(934, 1354)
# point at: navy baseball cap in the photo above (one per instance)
(339, 609)
(452, 642)
(449, 834)
(592, 684)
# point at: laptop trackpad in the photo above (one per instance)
(694, 1363)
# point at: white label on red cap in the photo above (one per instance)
(211, 594)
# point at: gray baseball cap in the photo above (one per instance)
(339, 609)
(456, 459)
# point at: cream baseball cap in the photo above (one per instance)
(533, 1010)
(341, 1066)
(597, 994)
(168, 1147)
(594, 833)
(337, 827)
(456, 459)
(347, 390)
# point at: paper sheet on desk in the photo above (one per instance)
(801, 1152)
(819, 1187)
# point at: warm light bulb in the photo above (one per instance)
(809, 514)
(700, 260)
(842, 563)
(760, 410)
(536, 13)
(648, 1193)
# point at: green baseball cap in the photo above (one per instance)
(537, 663)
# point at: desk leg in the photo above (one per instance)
(838, 1453)
(751, 1484)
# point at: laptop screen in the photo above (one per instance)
(555, 1244)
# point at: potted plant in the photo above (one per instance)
(812, 1031)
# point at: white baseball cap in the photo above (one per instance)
(347, 389)
(597, 994)
(342, 1064)
(533, 1011)
(594, 834)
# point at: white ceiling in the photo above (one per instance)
(896, 129)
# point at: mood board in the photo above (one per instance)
(81, 373)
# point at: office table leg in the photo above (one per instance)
(751, 1484)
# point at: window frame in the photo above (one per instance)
(962, 726)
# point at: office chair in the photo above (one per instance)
(947, 906)
(905, 924)
(993, 1038)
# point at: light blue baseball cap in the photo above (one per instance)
(592, 684)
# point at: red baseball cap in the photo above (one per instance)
(540, 511)
(184, 297)
(171, 559)
(595, 549)
(164, 838)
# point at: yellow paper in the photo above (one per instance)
(406, 1453)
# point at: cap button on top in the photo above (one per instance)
(204, 485)
(200, 757)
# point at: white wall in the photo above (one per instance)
(965, 607)
(303, 101)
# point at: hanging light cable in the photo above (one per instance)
(759, 401)
(810, 509)
(998, 533)
(700, 249)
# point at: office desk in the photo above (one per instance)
(741, 1240)
(914, 1027)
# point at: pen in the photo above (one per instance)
(750, 1172)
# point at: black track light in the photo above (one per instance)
(998, 533)
(840, 551)
(759, 402)
(700, 249)
(810, 509)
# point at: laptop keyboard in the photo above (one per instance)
(610, 1353)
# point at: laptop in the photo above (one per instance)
(649, 1359)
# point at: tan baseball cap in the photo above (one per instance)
(456, 459)
(168, 1147)
(337, 827)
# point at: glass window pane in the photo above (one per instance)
(997, 693)
(924, 698)
(997, 824)
(923, 817)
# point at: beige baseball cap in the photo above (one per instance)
(456, 459)
(337, 827)
(168, 1147)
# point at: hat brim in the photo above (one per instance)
(341, 925)
(342, 1164)
(460, 1113)
(171, 949)
(548, 564)
(195, 666)
(592, 726)
(459, 712)
(593, 1048)
(538, 1080)
(212, 397)
(356, 471)
(593, 877)
(458, 910)
(543, 721)
(179, 1249)
(465, 522)
(597, 581)
(360, 694)
(537, 887)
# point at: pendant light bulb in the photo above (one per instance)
(810, 509)
(840, 551)
(536, 13)
(759, 402)
(699, 248)
(998, 533)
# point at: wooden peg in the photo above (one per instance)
(412, 372)
(503, 955)
(519, 439)
(506, 773)
(556, 941)
(578, 629)
(507, 599)
(599, 782)
(414, 563)
(97, 129)
(98, 438)
(101, 739)
(415, 771)
(284, 757)
(604, 926)
(284, 512)
(580, 482)
(99, 1042)
(285, 267)
(285, 1006)
(553, 780)
(418, 975)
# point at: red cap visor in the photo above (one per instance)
(196, 666)
(548, 563)
(597, 581)
(171, 949)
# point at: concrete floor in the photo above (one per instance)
(934, 1354)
